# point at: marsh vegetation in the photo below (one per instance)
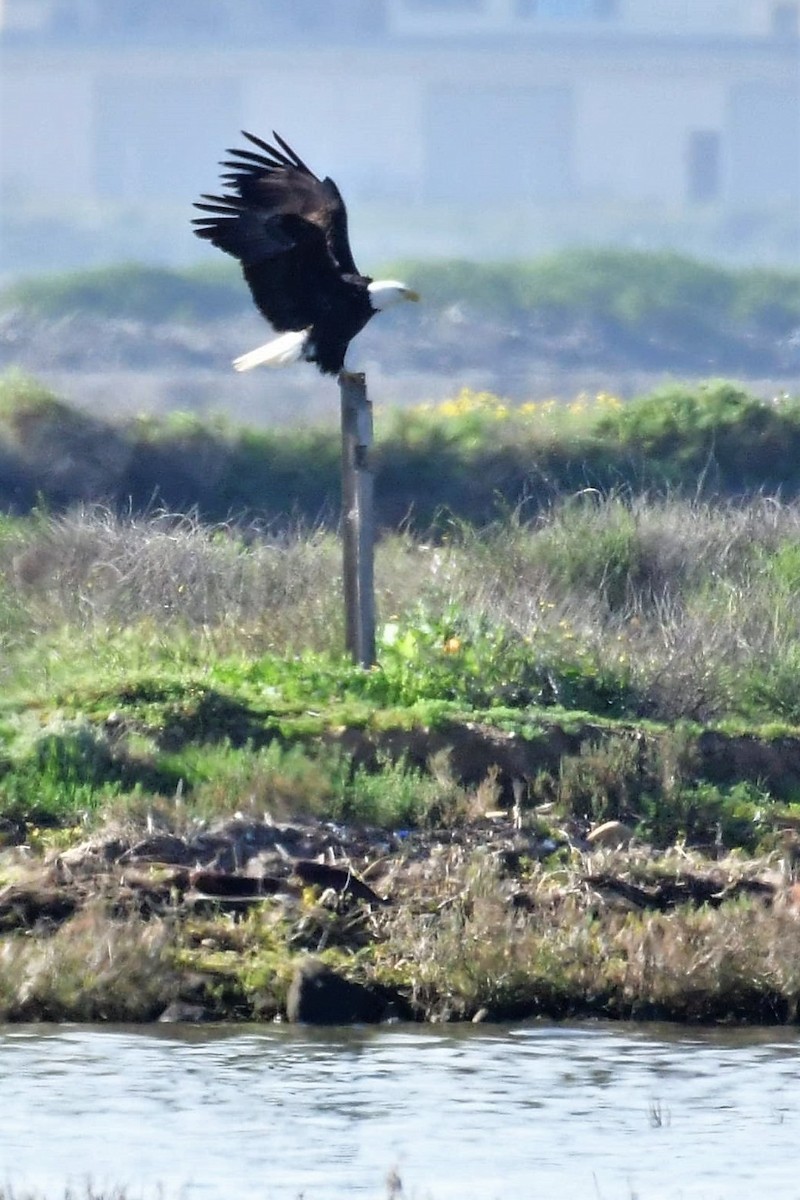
(133, 338)
(574, 772)
(590, 658)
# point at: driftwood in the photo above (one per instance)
(231, 885)
(315, 874)
(667, 893)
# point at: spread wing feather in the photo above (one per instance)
(287, 228)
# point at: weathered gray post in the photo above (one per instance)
(358, 526)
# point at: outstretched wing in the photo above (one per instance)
(287, 228)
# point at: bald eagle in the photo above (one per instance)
(288, 229)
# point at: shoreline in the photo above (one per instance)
(497, 919)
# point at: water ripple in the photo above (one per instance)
(544, 1110)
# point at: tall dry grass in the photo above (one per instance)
(697, 602)
(94, 569)
(696, 606)
(92, 968)
(564, 950)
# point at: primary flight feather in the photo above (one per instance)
(288, 229)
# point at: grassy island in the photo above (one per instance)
(571, 784)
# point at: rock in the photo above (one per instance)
(231, 892)
(611, 834)
(181, 1012)
(318, 996)
(662, 894)
(789, 899)
(89, 857)
(159, 848)
(231, 844)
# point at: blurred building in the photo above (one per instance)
(522, 123)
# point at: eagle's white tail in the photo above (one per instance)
(281, 351)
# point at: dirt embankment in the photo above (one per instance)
(508, 913)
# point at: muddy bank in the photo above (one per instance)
(473, 748)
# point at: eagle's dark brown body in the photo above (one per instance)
(288, 229)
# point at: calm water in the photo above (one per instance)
(541, 1111)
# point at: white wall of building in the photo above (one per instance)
(539, 127)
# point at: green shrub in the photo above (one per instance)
(66, 773)
(667, 293)
(132, 290)
(715, 433)
(471, 458)
(655, 788)
(706, 815)
(481, 664)
(664, 291)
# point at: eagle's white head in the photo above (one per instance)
(383, 293)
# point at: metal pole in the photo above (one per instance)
(358, 526)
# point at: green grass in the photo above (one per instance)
(626, 659)
(132, 290)
(598, 601)
(96, 715)
(152, 652)
(671, 294)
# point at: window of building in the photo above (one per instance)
(703, 166)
